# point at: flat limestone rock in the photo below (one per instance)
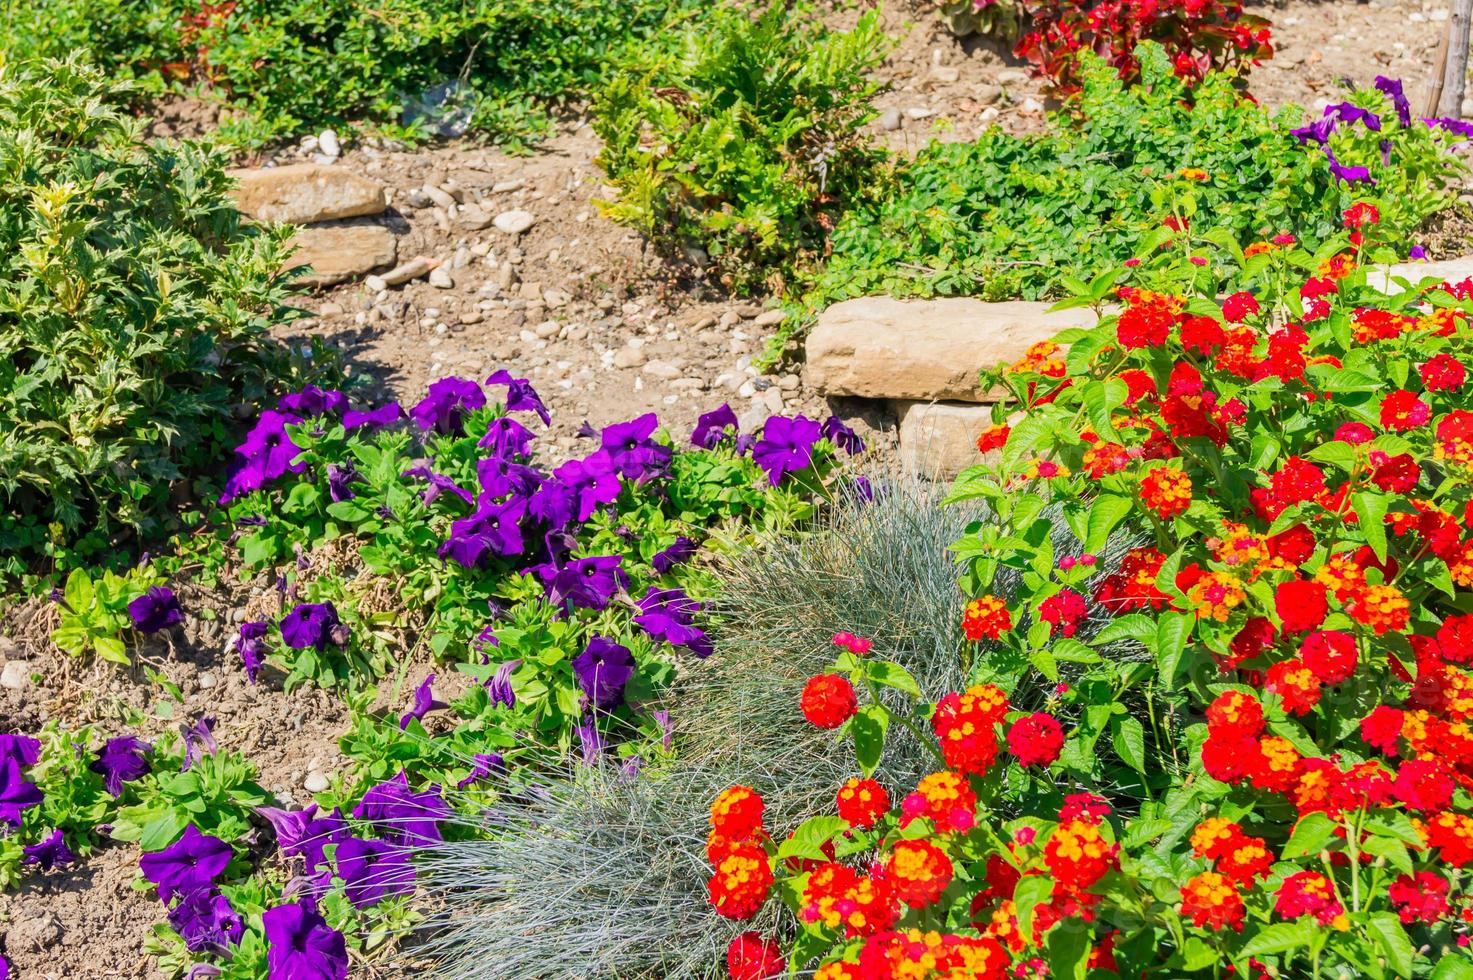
(939, 439)
(303, 193)
(343, 250)
(925, 350)
(1446, 270)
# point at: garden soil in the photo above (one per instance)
(603, 329)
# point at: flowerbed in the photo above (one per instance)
(1240, 749)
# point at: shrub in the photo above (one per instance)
(1276, 782)
(739, 151)
(1007, 217)
(134, 316)
(428, 66)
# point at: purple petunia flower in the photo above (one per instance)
(26, 751)
(312, 624)
(1417, 254)
(586, 583)
(842, 436)
(402, 816)
(682, 551)
(444, 407)
(122, 760)
(424, 703)
(506, 437)
(1350, 175)
(316, 836)
(1392, 89)
(553, 503)
(1318, 132)
(668, 614)
(190, 864)
(157, 609)
(520, 396)
(591, 740)
(17, 794)
(499, 687)
(711, 427)
(438, 484)
(591, 481)
(300, 945)
(290, 825)
(487, 765)
(786, 446)
(667, 730)
(498, 477)
(206, 921)
(1351, 114)
(632, 449)
(494, 529)
(49, 853)
(603, 670)
(251, 648)
(266, 454)
(340, 480)
(373, 871)
(375, 418)
(199, 739)
(312, 400)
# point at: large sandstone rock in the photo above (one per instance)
(939, 439)
(924, 350)
(302, 193)
(1449, 270)
(341, 251)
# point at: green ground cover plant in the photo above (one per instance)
(134, 309)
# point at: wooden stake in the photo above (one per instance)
(1452, 76)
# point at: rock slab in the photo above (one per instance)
(925, 350)
(304, 193)
(1443, 270)
(342, 251)
(939, 439)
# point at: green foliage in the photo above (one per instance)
(134, 309)
(740, 150)
(290, 65)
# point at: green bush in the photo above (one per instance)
(134, 309)
(739, 152)
(291, 65)
(1009, 216)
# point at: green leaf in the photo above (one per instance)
(1453, 968)
(1031, 892)
(810, 837)
(1045, 663)
(1387, 931)
(1105, 514)
(1313, 832)
(1130, 742)
(888, 674)
(1371, 509)
(868, 730)
(1133, 626)
(1173, 630)
(1279, 938)
(111, 649)
(78, 592)
(1067, 948)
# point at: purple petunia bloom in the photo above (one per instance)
(682, 551)
(424, 703)
(668, 614)
(402, 816)
(374, 418)
(340, 480)
(632, 449)
(520, 396)
(266, 454)
(494, 529)
(842, 436)
(1350, 175)
(591, 481)
(667, 730)
(206, 921)
(553, 503)
(603, 670)
(591, 740)
(251, 648)
(499, 687)
(506, 437)
(199, 739)
(49, 853)
(1351, 114)
(373, 871)
(711, 427)
(157, 609)
(122, 760)
(438, 484)
(300, 945)
(26, 751)
(290, 826)
(586, 583)
(311, 624)
(1392, 89)
(17, 794)
(316, 836)
(190, 864)
(444, 407)
(786, 446)
(312, 400)
(1417, 254)
(487, 765)
(1318, 132)
(498, 477)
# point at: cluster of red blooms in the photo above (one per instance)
(1198, 35)
(736, 849)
